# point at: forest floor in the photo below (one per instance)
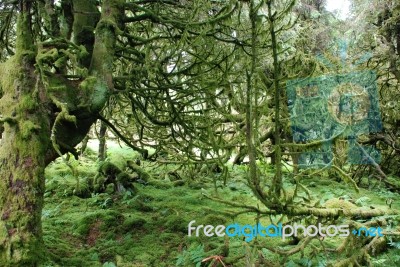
(149, 227)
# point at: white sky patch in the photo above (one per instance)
(340, 6)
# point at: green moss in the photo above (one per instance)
(178, 183)
(99, 97)
(107, 219)
(159, 184)
(47, 55)
(61, 62)
(96, 91)
(108, 168)
(26, 129)
(124, 178)
(24, 41)
(214, 219)
(132, 223)
(27, 104)
(3, 232)
(176, 224)
(336, 203)
(141, 206)
(150, 228)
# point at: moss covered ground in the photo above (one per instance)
(148, 227)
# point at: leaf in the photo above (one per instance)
(291, 264)
(305, 262)
(379, 262)
(94, 257)
(395, 244)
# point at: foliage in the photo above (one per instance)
(150, 227)
(192, 256)
(190, 87)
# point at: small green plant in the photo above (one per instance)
(363, 201)
(109, 264)
(194, 255)
(106, 203)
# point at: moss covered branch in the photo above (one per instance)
(9, 120)
(297, 210)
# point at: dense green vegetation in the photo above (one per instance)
(148, 227)
(229, 111)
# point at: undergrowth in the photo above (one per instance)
(148, 227)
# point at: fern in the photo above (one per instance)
(362, 201)
(194, 255)
(395, 244)
(380, 262)
(197, 255)
(291, 264)
(322, 262)
(305, 262)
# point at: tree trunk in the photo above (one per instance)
(39, 124)
(22, 159)
(23, 150)
(102, 141)
(277, 183)
(84, 144)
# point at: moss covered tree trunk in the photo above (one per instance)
(23, 150)
(39, 123)
(22, 159)
(102, 141)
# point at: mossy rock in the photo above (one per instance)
(85, 187)
(108, 219)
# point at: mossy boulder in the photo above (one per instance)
(107, 220)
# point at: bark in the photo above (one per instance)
(40, 123)
(84, 144)
(277, 182)
(102, 141)
(22, 155)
